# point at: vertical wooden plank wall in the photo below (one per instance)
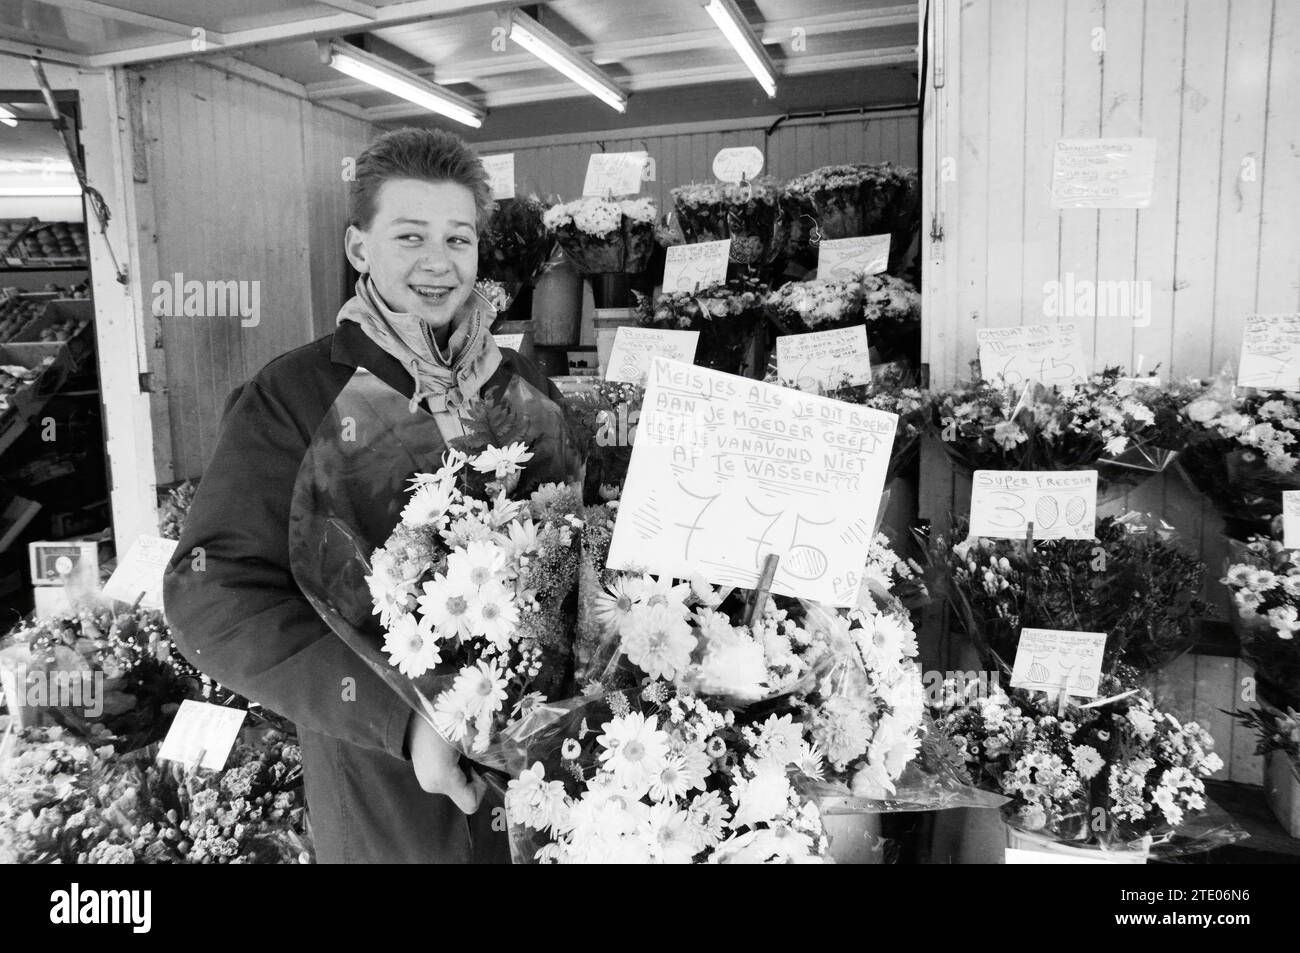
(1213, 82)
(246, 185)
(556, 168)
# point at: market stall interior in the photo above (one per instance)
(873, 207)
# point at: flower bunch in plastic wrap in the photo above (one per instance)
(878, 300)
(470, 589)
(728, 317)
(862, 199)
(1264, 579)
(1134, 582)
(748, 212)
(494, 293)
(604, 236)
(515, 245)
(604, 415)
(62, 801)
(1105, 776)
(1243, 454)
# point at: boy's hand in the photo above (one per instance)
(437, 767)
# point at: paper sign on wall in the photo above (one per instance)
(1049, 353)
(202, 735)
(501, 174)
(697, 266)
(1062, 504)
(141, 571)
(635, 348)
(731, 165)
(1270, 352)
(726, 471)
(512, 341)
(1291, 519)
(614, 173)
(1049, 660)
(843, 259)
(1103, 173)
(824, 359)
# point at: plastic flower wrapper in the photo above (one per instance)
(728, 317)
(863, 199)
(605, 236)
(603, 417)
(747, 212)
(1243, 454)
(447, 569)
(1264, 579)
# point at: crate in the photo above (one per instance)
(59, 310)
(27, 402)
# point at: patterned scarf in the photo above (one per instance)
(446, 381)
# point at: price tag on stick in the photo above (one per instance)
(1051, 354)
(1059, 661)
(846, 259)
(695, 267)
(201, 735)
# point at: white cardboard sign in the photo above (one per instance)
(846, 259)
(202, 735)
(141, 571)
(1049, 660)
(614, 173)
(1270, 352)
(1051, 354)
(1062, 504)
(1291, 519)
(635, 348)
(824, 359)
(697, 266)
(731, 165)
(1103, 173)
(501, 174)
(512, 341)
(727, 470)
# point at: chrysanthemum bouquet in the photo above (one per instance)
(605, 236)
(748, 213)
(1243, 454)
(1264, 580)
(890, 308)
(515, 246)
(853, 200)
(1109, 776)
(470, 589)
(1134, 582)
(728, 317)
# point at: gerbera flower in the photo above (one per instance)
(634, 750)
(445, 607)
(494, 614)
(614, 604)
(409, 649)
(502, 461)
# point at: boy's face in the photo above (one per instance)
(421, 249)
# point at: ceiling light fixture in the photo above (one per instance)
(389, 77)
(8, 118)
(558, 55)
(736, 29)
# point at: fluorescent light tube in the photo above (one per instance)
(735, 28)
(555, 53)
(393, 79)
(39, 191)
(8, 118)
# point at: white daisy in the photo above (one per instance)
(409, 649)
(672, 781)
(614, 604)
(429, 504)
(635, 749)
(502, 461)
(660, 591)
(479, 563)
(481, 688)
(494, 613)
(445, 608)
(668, 833)
(658, 641)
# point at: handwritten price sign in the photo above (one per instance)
(1103, 173)
(614, 173)
(824, 359)
(697, 266)
(1291, 519)
(844, 259)
(726, 471)
(1270, 352)
(635, 348)
(1062, 504)
(1051, 354)
(732, 165)
(1051, 660)
(501, 174)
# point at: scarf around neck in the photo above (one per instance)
(445, 380)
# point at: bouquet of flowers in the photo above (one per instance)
(174, 508)
(986, 426)
(118, 675)
(605, 416)
(853, 200)
(1264, 579)
(1112, 776)
(748, 213)
(62, 801)
(494, 293)
(1243, 454)
(713, 738)
(1143, 424)
(728, 317)
(1133, 582)
(890, 308)
(514, 247)
(604, 236)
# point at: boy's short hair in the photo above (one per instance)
(409, 153)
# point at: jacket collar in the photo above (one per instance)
(352, 347)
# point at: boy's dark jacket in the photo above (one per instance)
(238, 615)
